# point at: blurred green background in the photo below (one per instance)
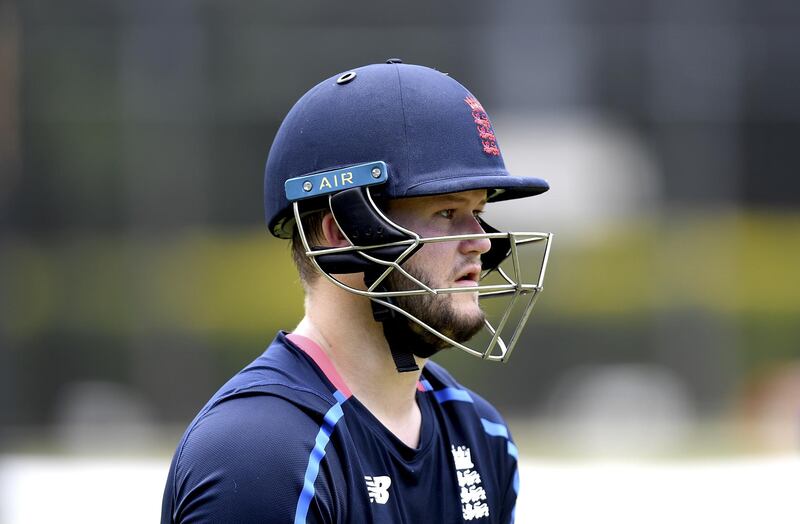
(137, 275)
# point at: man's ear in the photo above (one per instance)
(330, 230)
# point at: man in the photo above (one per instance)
(379, 177)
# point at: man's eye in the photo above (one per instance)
(447, 213)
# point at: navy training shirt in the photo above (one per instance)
(284, 441)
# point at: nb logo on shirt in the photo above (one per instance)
(378, 488)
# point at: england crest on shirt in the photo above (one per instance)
(473, 496)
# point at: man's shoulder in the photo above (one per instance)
(246, 458)
(283, 372)
(256, 420)
(277, 400)
(248, 449)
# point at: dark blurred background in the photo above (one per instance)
(137, 275)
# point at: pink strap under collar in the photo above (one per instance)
(324, 363)
(322, 360)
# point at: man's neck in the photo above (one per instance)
(342, 324)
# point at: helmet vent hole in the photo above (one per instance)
(346, 77)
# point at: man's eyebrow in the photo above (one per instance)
(459, 199)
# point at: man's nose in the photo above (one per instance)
(475, 245)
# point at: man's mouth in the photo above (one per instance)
(469, 275)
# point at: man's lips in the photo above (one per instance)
(469, 275)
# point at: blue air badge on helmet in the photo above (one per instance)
(309, 186)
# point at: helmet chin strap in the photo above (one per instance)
(403, 342)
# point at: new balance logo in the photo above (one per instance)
(378, 488)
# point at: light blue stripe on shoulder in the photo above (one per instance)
(512, 450)
(452, 394)
(499, 430)
(516, 481)
(494, 429)
(317, 454)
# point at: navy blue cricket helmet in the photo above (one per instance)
(433, 135)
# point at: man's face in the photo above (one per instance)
(443, 264)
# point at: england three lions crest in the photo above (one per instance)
(473, 495)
